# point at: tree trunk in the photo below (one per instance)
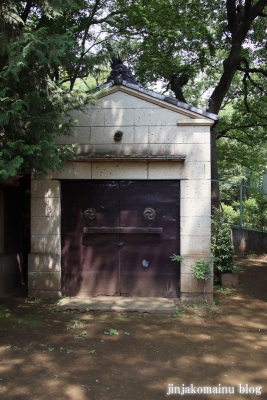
(238, 26)
(239, 29)
(215, 192)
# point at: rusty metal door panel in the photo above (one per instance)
(89, 262)
(145, 266)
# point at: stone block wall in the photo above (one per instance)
(44, 263)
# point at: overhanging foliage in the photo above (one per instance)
(199, 50)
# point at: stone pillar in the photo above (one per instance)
(44, 276)
(195, 238)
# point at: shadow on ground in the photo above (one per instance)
(49, 354)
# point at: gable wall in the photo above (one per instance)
(148, 130)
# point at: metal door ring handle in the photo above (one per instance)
(149, 214)
(90, 213)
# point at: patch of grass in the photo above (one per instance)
(75, 325)
(112, 332)
(61, 298)
(123, 315)
(250, 254)
(193, 306)
(80, 335)
(50, 299)
(212, 308)
(62, 350)
(11, 321)
(4, 312)
(22, 321)
(178, 313)
(221, 289)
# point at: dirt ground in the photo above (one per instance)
(49, 354)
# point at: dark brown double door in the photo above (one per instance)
(118, 236)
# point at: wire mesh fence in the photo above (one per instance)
(244, 206)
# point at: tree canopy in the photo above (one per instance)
(213, 51)
(211, 54)
(45, 47)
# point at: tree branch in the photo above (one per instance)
(177, 82)
(76, 71)
(244, 80)
(253, 70)
(232, 62)
(231, 15)
(100, 21)
(224, 132)
(256, 85)
(26, 11)
(257, 9)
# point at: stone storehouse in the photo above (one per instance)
(137, 192)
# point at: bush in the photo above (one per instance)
(221, 244)
(230, 214)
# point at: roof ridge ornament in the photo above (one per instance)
(120, 72)
(122, 75)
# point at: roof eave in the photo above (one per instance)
(160, 97)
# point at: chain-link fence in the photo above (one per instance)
(244, 206)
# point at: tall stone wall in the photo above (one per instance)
(249, 241)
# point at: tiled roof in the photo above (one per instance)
(159, 96)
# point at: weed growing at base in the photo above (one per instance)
(123, 315)
(111, 332)
(80, 335)
(178, 313)
(75, 325)
(181, 311)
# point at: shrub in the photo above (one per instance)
(221, 244)
(201, 270)
(230, 214)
